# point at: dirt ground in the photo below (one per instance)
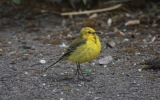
(27, 37)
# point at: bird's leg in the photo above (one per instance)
(77, 72)
(80, 71)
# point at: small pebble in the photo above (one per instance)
(128, 15)
(111, 44)
(63, 45)
(42, 61)
(93, 63)
(61, 99)
(61, 93)
(109, 22)
(89, 92)
(124, 30)
(26, 73)
(77, 89)
(105, 60)
(140, 70)
(126, 40)
(79, 85)
(137, 53)
(48, 36)
(9, 42)
(65, 72)
(134, 82)
(96, 98)
(44, 75)
(82, 83)
(105, 66)
(61, 73)
(69, 35)
(41, 54)
(36, 77)
(54, 90)
(138, 84)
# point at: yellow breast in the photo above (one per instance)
(86, 52)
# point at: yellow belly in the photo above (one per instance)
(85, 53)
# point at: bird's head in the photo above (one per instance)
(88, 33)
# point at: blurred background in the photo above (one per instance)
(34, 33)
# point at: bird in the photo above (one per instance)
(83, 49)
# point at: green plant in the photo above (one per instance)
(84, 1)
(16, 1)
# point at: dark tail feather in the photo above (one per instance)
(52, 64)
(61, 58)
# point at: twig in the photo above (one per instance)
(91, 11)
(116, 1)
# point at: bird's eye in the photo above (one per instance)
(89, 32)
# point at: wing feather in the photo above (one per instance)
(76, 43)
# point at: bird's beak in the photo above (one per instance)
(97, 32)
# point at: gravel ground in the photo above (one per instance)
(24, 41)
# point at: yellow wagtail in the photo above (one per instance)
(83, 49)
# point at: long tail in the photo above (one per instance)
(52, 64)
(61, 58)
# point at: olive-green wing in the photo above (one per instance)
(76, 43)
(71, 48)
